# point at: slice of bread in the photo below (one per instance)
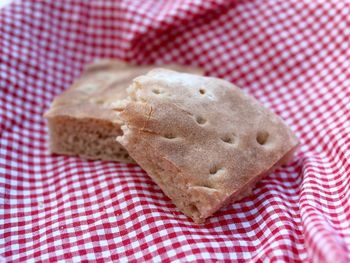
(82, 121)
(202, 140)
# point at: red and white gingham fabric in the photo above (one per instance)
(292, 55)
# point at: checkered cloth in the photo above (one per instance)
(292, 55)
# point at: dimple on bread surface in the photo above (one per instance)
(202, 140)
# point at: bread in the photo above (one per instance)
(82, 121)
(202, 140)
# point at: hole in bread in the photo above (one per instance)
(157, 91)
(215, 170)
(126, 156)
(230, 138)
(99, 101)
(202, 91)
(169, 136)
(200, 120)
(262, 137)
(193, 209)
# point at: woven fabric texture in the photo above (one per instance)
(292, 55)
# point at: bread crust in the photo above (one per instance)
(205, 142)
(82, 120)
